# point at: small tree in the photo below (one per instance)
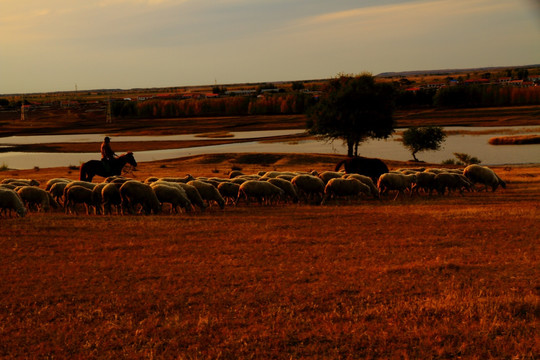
(418, 139)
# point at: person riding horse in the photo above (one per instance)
(107, 154)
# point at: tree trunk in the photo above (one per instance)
(350, 148)
(414, 156)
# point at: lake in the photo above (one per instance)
(469, 140)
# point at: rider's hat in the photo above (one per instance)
(107, 138)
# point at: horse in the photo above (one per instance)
(92, 168)
(371, 167)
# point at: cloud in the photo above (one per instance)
(437, 10)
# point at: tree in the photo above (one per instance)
(418, 139)
(353, 108)
(298, 86)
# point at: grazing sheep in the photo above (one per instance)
(116, 179)
(208, 192)
(85, 184)
(309, 186)
(399, 182)
(483, 175)
(174, 195)
(348, 188)
(435, 170)
(134, 193)
(403, 170)
(425, 181)
(218, 180)
(97, 197)
(286, 177)
(238, 180)
(75, 195)
(287, 187)
(184, 179)
(208, 181)
(10, 200)
(326, 176)
(229, 191)
(235, 173)
(444, 181)
(262, 191)
(151, 179)
(275, 174)
(194, 196)
(366, 180)
(8, 186)
(53, 181)
(17, 183)
(33, 196)
(57, 191)
(110, 196)
(21, 182)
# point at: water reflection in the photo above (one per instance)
(474, 145)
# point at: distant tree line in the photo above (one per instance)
(462, 96)
(296, 103)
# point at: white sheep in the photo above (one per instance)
(57, 191)
(21, 182)
(184, 179)
(193, 195)
(34, 196)
(8, 186)
(134, 193)
(208, 192)
(75, 195)
(85, 184)
(287, 186)
(392, 181)
(326, 176)
(262, 191)
(110, 196)
(229, 191)
(180, 187)
(349, 188)
(116, 179)
(309, 186)
(151, 179)
(275, 174)
(53, 181)
(483, 175)
(97, 197)
(10, 200)
(176, 196)
(238, 180)
(235, 173)
(366, 180)
(286, 177)
(425, 181)
(450, 182)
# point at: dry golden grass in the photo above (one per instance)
(422, 277)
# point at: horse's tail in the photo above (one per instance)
(339, 164)
(83, 172)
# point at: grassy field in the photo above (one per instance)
(422, 277)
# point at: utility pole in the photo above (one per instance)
(23, 110)
(109, 118)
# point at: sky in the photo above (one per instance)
(63, 45)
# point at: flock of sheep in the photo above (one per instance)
(127, 196)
